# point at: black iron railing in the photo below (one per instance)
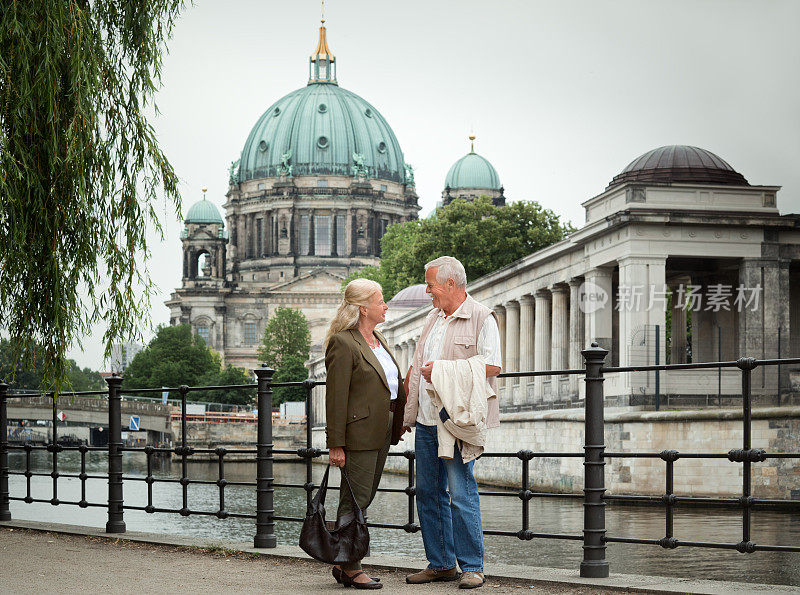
(594, 498)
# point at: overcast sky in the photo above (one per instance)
(561, 95)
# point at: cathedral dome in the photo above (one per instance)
(323, 126)
(203, 212)
(472, 171)
(679, 163)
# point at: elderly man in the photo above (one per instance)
(457, 328)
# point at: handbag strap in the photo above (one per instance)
(356, 510)
(323, 488)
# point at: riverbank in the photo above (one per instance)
(84, 558)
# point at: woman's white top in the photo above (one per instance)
(389, 368)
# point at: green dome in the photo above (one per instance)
(472, 171)
(203, 212)
(323, 125)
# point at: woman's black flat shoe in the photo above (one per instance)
(347, 581)
(337, 574)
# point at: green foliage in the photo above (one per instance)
(175, 356)
(292, 370)
(80, 171)
(30, 376)
(482, 236)
(285, 348)
(286, 335)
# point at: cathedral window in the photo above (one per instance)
(304, 234)
(341, 235)
(322, 235)
(249, 333)
(202, 331)
(259, 238)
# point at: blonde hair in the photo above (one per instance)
(357, 293)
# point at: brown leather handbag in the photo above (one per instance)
(346, 542)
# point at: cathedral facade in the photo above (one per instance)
(320, 178)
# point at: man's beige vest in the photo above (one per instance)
(460, 342)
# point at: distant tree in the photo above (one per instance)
(482, 236)
(30, 376)
(292, 370)
(84, 379)
(175, 356)
(227, 376)
(81, 172)
(285, 347)
(286, 335)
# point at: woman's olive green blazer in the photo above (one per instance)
(357, 394)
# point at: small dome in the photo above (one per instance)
(203, 212)
(472, 171)
(413, 296)
(679, 163)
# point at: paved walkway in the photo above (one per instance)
(47, 558)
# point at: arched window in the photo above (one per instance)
(203, 332)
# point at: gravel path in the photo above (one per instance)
(42, 562)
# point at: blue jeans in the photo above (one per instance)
(443, 515)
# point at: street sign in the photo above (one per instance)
(134, 425)
(61, 416)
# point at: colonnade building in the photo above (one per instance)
(679, 260)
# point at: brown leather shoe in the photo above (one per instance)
(431, 576)
(471, 580)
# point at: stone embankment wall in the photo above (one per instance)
(244, 435)
(706, 431)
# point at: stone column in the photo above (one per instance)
(408, 353)
(638, 318)
(677, 330)
(542, 348)
(500, 312)
(526, 347)
(560, 334)
(576, 333)
(768, 311)
(512, 349)
(598, 306)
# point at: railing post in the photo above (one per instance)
(115, 523)
(594, 564)
(265, 512)
(5, 511)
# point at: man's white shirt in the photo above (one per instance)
(488, 346)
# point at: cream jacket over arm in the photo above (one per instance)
(460, 388)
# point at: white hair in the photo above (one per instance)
(449, 268)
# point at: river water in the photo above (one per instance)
(552, 515)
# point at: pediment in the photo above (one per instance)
(318, 280)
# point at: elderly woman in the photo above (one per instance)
(363, 391)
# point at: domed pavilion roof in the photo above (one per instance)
(413, 296)
(679, 163)
(203, 211)
(323, 126)
(472, 171)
